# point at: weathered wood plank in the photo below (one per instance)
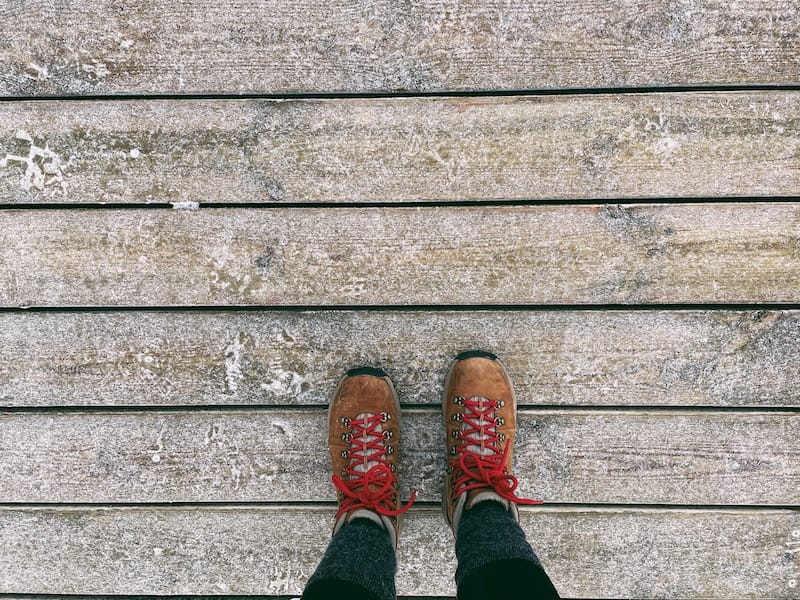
(640, 358)
(164, 46)
(566, 147)
(434, 255)
(279, 456)
(589, 553)
(183, 597)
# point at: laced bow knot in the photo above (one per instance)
(485, 469)
(369, 487)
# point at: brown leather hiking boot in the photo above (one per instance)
(480, 416)
(363, 437)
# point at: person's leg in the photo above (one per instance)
(479, 495)
(359, 564)
(493, 555)
(363, 436)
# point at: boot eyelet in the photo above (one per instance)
(392, 467)
(385, 417)
(453, 451)
(458, 417)
(458, 400)
(389, 450)
(345, 454)
(499, 421)
(347, 437)
(499, 404)
(387, 435)
(345, 421)
(457, 434)
(501, 437)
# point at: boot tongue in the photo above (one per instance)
(362, 465)
(484, 448)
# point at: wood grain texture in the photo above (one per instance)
(164, 46)
(393, 150)
(589, 553)
(279, 456)
(451, 255)
(600, 358)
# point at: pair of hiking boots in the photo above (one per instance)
(480, 422)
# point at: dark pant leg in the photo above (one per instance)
(359, 564)
(495, 558)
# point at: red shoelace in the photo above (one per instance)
(473, 470)
(375, 488)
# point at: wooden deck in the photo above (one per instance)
(208, 211)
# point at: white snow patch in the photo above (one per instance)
(233, 364)
(666, 146)
(43, 167)
(186, 205)
(240, 465)
(155, 454)
(37, 72)
(284, 383)
(283, 426)
(96, 68)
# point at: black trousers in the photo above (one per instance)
(493, 558)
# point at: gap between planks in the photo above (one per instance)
(417, 409)
(455, 203)
(492, 93)
(418, 508)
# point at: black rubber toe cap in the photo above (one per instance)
(373, 371)
(476, 354)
